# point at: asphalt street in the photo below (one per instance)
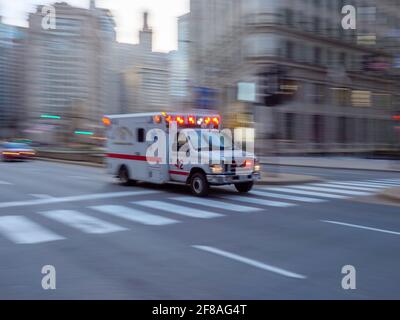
(107, 241)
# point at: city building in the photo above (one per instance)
(11, 80)
(68, 72)
(143, 75)
(320, 87)
(180, 93)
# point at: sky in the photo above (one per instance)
(127, 13)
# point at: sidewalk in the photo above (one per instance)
(392, 194)
(286, 179)
(335, 163)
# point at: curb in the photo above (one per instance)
(326, 167)
(290, 180)
(78, 163)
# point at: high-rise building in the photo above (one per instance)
(333, 89)
(68, 71)
(143, 75)
(11, 80)
(180, 93)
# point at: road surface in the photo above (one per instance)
(107, 241)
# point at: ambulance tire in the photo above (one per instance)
(244, 187)
(199, 185)
(124, 177)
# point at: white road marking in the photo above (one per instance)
(308, 193)
(395, 184)
(134, 215)
(21, 230)
(332, 190)
(361, 227)
(251, 262)
(334, 185)
(42, 196)
(96, 196)
(181, 210)
(361, 184)
(217, 204)
(82, 222)
(286, 196)
(259, 201)
(5, 183)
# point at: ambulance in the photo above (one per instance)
(204, 155)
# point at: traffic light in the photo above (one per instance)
(270, 85)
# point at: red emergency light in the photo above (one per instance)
(180, 120)
(191, 120)
(397, 118)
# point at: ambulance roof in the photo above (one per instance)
(152, 114)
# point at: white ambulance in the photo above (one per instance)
(204, 155)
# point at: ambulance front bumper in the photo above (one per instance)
(221, 179)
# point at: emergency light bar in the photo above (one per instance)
(190, 121)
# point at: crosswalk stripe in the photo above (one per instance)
(87, 197)
(177, 209)
(390, 180)
(309, 193)
(259, 201)
(347, 192)
(334, 185)
(5, 182)
(82, 222)
(21, 230)
(286, 196)
(361, 184)
(134, 215)
(217, 204)
(388, 183)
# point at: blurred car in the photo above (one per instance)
(16, 151)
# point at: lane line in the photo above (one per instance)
(82, 222)
(216, 204)
(5, 183)
(259, 201)
(286, 196)
(97, 196)
(134, 215)
(361, 227)
(21, 230)
(308, 193)
(177, 209)
(251, 262)
(332, 190)
(334, 185)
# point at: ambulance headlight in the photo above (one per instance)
(257, 166)
(216, 168)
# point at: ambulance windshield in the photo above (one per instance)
(204, 140)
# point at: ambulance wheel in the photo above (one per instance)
(244, 187)
(199, 185)
(123, 176)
